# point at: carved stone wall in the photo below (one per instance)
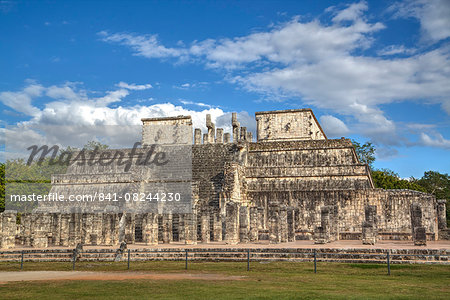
(292, 184)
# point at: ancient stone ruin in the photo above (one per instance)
(292, 183)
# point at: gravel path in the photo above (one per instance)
(6, 277)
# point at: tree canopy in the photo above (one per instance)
(365, 152)
(26, 179)
(388, 179)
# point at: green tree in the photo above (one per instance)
(439, 185)
(436, 183)
(18, 178)
(91, 145)
(388, 179)
(365, 152)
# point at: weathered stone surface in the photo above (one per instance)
(8, 229)
(292, 183)
(369, 226)
(441, 212)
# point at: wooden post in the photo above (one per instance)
(128, 259)
(388, 263)
(248, 259)
(315, 261)
(21, 261)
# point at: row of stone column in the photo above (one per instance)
(217, 136)
(281, 224)
(40, 230)
(324, 234)
(328, 230)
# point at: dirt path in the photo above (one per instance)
(6, 277)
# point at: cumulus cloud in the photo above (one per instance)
(21, 101)
(333, 126)
(324, 64)
(353, 12)
(433, 15)
(437, 141)
(135, 87)
(72, 117)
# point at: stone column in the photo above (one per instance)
(226, 138)
(121, 228)
(190, 227)
(333, 223)
(236, 127)
(261, 223)
(211, 129)
(167, 228)
(97, 226)
(441, 212)
(8, 229)
(249, 136)
(274, 226)
(115, 226)
(322, 233)
(244, 224)
(291, 220)
(26, 220)
(219, 135)
(129, 228)
(64, 236)
(217, 227)
(205, 138)
(418, 231)
(40, 229)
(243, 136)
(155, 229)
(197, 136)
(232, 223)
(283, 225)
(75, 229)
(106, 229)
(296, 220)
(369, 226)
(150, 235)
(86, 224)
(254, 231)
(56, 228)
(205, 228)
(181, 229)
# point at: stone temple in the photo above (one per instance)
(292, 183)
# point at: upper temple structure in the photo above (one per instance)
(290, 183)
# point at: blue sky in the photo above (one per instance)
(374, 71)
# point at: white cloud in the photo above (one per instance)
(395, 49)
(146, 45)
(21, 101)
(324, 64)
(438, 141)
(434, 16)
(333, 126)
(73, 118)
(352, 13)
(135, 87)
(186, 102)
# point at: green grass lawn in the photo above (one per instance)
(280, 280)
